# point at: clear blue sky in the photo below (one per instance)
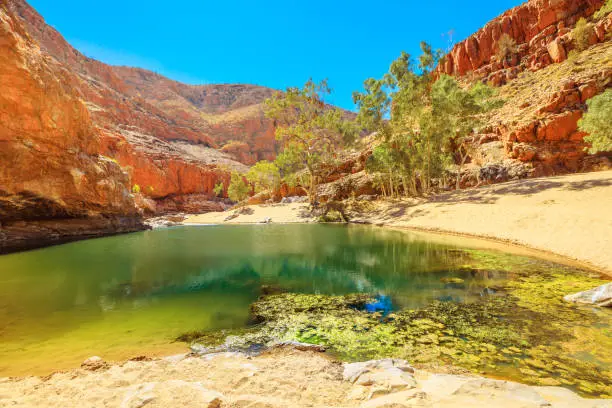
(276, 43)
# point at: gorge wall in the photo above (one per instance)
(51, 173)
(87, 149)
(173, 139)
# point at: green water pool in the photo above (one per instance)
(134, 294)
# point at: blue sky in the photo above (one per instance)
(276, 43)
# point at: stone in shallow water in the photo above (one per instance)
(94, 363)
(599, 296)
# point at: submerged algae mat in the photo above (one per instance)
(520, 330)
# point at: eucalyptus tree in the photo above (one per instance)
(597, 123)
(264, 175)
(310, 132)
(419, 118)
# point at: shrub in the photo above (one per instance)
(505, 46)
(218, 189)
(581, 34)
(135, 189)
(264, 175)
(238, 190)
(596, 122)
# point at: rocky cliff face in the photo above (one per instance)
(171, 139)
(212, 115)
(545, 82)
(51, 168)
(87, 148)
(541, 30)
(165, 134)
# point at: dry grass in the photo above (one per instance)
(525, 95)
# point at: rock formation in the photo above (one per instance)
(82, 140)
(545, 83)
(599, 296)
(164, 133)
(50, 166)
(541, 30)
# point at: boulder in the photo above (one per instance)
(381, 377)
(172, 393)
(94, 363)
(556, 50)
(599, 296)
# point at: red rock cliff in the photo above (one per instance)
(212, 115)
(163, 134)
(538, 126)
(538, 28)
(50, 166)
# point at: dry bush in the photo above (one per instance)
(505, 46)
(581, 34)
(604, 10)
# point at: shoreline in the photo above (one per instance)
(293, 374)
(480, 242)
(563, 217)
(513, 247)
(151, 378)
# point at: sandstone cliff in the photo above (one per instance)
(50, 166)
(168, 136)
(212, 115)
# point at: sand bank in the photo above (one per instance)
(570, 215)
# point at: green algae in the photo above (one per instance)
(525, 332)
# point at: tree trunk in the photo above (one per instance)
(313, 186)
(461, 163)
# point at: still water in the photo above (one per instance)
(128, 295)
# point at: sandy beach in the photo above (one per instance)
(565, 215)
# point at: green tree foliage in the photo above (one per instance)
(218, 189)
(310, 131)
(135, 189)
(418, 120)
(238, 189)
(264, 175)
(597, 122)
(581, 34)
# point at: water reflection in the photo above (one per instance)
(165, 282)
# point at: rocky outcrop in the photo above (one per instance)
(599, 296)
(538, 126)
(541, 31)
